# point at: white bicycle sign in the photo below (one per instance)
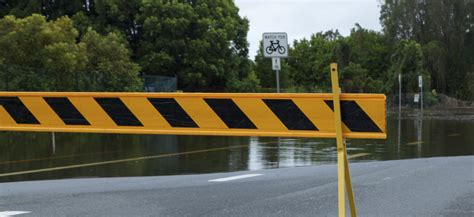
(274, 47)
(275, 44)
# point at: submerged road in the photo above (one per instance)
(418, 187)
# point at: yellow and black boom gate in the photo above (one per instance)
(332, 115)
(284, 115)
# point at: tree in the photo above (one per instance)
(249, 84)
(109, 67)
(363, 59)
(51, 9)
(371, 50)
(107, 16)
(407, 60)
(202, 42)
(310, 59)
(53, 50)
(445, 27)
(357, 80)
(45, 55)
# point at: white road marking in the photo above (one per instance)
(234, 177)
(12, 213)
(357, 155)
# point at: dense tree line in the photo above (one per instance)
(202, 42)
(367, 61)
(103, 45)
(430, 38)
(40, 55)
(445, 31)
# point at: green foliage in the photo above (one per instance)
(407, 60)
(445, 30)
(370, 49)
(470, 85)
(429, 99)
(310, 59)
(362, 59)
(35, 43)
(42, 55)
(109, 68)
(249, 84)
(52, 9)
(203, 43)
(357, 80)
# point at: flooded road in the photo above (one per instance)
(33, 156)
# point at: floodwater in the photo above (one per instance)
(33, 156)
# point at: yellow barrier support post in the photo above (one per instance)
(340, 147)
(348, 180)
(343, 176)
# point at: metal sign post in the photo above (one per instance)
(420, 84)
(399, 109)
(275, 46)
(277, 67)
(399, 94)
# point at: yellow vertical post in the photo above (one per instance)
(343, 174)
(339, 140)
(348, 180)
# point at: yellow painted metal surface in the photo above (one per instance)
(232, 114)
(348, 180)
(343, 173)
(341, 195)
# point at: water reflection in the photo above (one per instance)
(409, 136)
(419, 131)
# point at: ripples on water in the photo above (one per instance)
(145, 155)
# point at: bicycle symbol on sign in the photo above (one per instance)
(275, 46)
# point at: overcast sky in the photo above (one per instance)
(301, 18)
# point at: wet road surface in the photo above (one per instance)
(442, 186)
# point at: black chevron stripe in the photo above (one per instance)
(18, 111)
(66, 111)
(118, 111)
(354, 117)
(173, 113)
(230, 113)
(289, 114)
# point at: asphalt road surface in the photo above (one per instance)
(417, 187)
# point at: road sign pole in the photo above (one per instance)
(276, 65)
(399, 93)
(421, 99)
(53, 142)
(278, 80)
(343, 173)
(420, 84)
